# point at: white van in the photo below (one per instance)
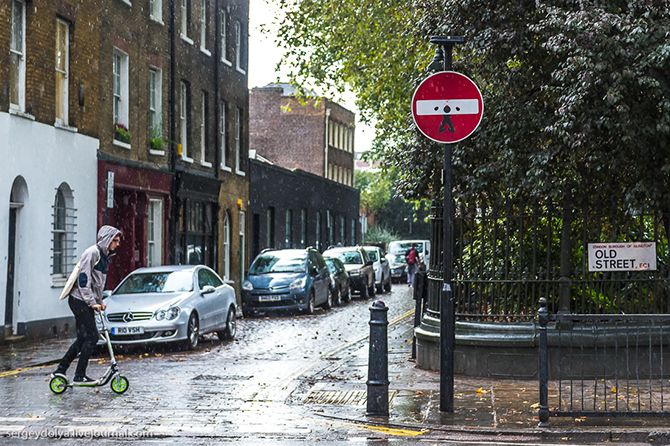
(402, 246)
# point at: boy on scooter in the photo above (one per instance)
(85, 300)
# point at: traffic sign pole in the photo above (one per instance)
(447, 307)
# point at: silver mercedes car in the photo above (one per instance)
(171, 303)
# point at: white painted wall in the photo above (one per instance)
(45, 156)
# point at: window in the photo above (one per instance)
(238, 143)
(203, 131)
(63, 232)
(62, 65)
(222, 136)
(226, 247)
(155, 104)
(155, 233)
(120, 85)
(184, 18)
(343, 228)
(203, 25)
(270, 228)
(331, 229)
(183, 121)
(239, 47)
(353, 231)
(288, 242)
(318, 230)
(303, 228)
(222, 38)
(156, 10)
(17, 75)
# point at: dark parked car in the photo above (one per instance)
(359, 267)
(286, 279)
(398, 266)
(339, 281)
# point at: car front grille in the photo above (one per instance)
(136, 316)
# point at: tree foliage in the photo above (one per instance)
(576, 94)
(375, 191)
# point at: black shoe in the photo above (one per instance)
(84, 379)
(58, 372)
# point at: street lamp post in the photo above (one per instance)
(445, 45)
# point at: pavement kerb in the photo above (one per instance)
(580, 436)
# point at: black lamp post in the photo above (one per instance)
(443, 54)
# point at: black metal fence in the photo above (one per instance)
(509, 253)
(607, 365)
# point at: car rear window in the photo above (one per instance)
(348, 257)
(163, 282)
(278, 263)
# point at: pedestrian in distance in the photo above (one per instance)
(413, 261)
(85, 299)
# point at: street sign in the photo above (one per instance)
(110, 189)
(622, 256)
(447, 107)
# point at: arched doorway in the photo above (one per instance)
(17, 199)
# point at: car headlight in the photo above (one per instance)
(160, 315)
(298, 283)
(172, 313)
(247, 286)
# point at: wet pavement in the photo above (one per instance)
(286, 379)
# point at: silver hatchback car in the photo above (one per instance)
(171, 303)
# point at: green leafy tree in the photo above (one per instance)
(375, 191)
(576, 94)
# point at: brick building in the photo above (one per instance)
(318, 138)
(131, 113)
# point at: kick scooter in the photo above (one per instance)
(119, 383)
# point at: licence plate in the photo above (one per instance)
(269, 298)
(127, 330)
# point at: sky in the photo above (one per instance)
(264, 56)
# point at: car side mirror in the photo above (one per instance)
(229, 282)
(313, 270)
(106, 294)
(208, 289)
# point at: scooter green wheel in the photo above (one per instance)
(120, 384)
(58, 384)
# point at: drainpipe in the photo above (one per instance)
(325, 167)
(172, 154)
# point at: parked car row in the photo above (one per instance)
(181, 303)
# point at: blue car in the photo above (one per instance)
(286, 279)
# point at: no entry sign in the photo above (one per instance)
(447, 107)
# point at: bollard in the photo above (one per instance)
(378, 367)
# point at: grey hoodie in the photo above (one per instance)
(93, 267)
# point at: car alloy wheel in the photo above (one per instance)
(193, 332)
(329, 300)
(310, 303)
(231, 325)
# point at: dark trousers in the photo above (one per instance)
(87, 337)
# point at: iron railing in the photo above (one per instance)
(509, 253)
(606, 365)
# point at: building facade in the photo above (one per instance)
(316, 135)
(49, 140)
(129, 113)
(297, 209)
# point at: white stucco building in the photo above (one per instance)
(48, 205)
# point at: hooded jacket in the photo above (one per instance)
(93, 267)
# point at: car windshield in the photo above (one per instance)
(159, 282)
(398, 258)
(278, 263)
(372, 254)
(404, 247)
(349, 257)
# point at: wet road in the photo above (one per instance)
(250, 388)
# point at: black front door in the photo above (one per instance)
(9, 299)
